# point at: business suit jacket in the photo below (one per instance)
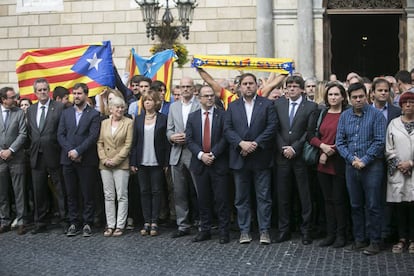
(175, 124)
(115, 147)
(15, 135)
(261, 130)
(219, 146)
(303, 126)
(45, 139)
(81, 137)
(393, 112)
(162, 147)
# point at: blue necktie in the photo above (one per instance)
(292, 113)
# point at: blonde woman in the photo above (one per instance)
(114, 144)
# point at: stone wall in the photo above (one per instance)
(220, 27)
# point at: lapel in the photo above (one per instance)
(32, 117)
(180, 115)
(118, 129)
(214, 126)
(258, 106)
(242, 112)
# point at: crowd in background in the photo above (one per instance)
(220, 152)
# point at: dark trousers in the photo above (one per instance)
(336, 203)
(405, 220)
(41, 191)
(79, 177)
(210, 184)
(364, 187)
(285, 186)
(150, 182)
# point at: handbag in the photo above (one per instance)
(310, 154)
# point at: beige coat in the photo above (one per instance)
(399, 144)
(117, 146)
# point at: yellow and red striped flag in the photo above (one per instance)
(158, 67)
(65, 66)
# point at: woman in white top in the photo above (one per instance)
(149, 158)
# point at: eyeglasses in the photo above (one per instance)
(13, 97)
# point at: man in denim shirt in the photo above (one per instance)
(360, 140)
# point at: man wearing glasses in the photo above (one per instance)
(12, 161)
(180, 157)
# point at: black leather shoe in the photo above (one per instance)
(284, 236)
(329, 240)
(224, 239)
(4, 229)
(306, 239)
(179, 234)
(202, 236)
(21, 230)
(38, 229)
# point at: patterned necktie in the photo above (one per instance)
(292, 113)
(206, 136)
(42, 118)
(6, 119)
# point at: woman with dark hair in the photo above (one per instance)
(331, 167)
(149, 158)
(399, 151)
(159, 87)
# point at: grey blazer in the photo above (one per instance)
(16, 133)
(175, 124)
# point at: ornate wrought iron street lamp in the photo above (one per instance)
(165, 30)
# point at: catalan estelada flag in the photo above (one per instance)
(65, 66)
(158, 67)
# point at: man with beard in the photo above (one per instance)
(78, 133)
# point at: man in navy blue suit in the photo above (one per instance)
(250, 128)
(295, 116)
(209, 164)
(78, 133)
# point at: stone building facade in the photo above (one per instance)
(309, 31)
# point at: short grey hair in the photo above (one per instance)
(116, 101)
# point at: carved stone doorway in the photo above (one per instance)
(369, 39)
(366, 44)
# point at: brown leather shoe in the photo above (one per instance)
(4, 229)
(21, 230)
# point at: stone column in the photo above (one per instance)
(306, 48)
(264, 30)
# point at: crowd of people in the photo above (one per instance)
(221, 151)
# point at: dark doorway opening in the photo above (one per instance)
(365, 44)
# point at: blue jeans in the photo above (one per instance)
(364, 187)
(261, 179)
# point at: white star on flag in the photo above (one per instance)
(94, 62)
(149, 66)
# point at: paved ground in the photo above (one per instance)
(53, 253)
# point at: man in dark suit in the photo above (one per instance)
(78, 133)
(209, 164)
(12, 161)
(249, 128)
(42, 122)
(382, 101)
(295, 116)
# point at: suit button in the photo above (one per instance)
(290, 132)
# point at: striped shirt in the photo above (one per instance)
(361, 136)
